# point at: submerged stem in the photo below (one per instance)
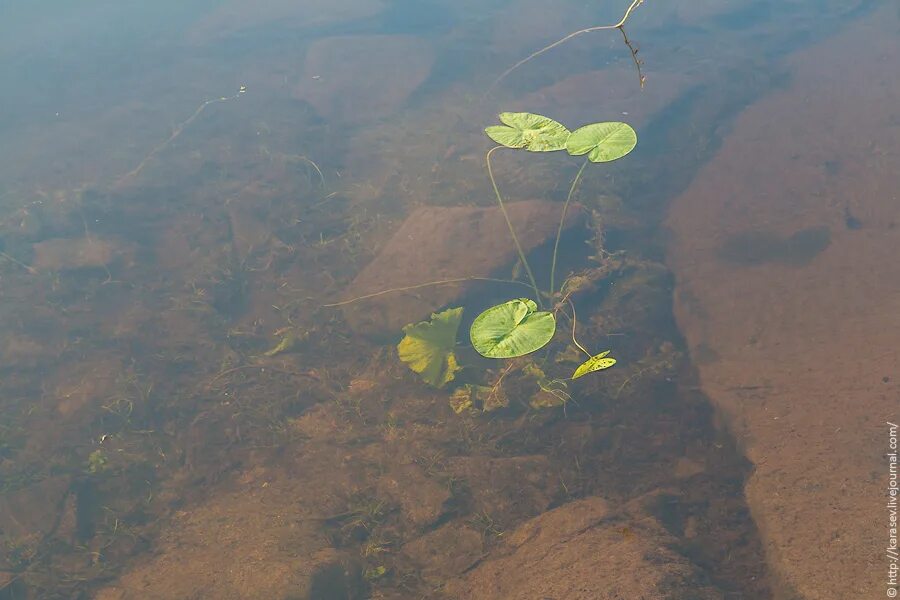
(422, 285)
(18, 262)
(562, 223)
(178, 130)
(574, 318)
(512, 232)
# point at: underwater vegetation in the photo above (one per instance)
(519, 327)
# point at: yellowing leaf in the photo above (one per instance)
(427, 347)
(594, 363)
(287, 343)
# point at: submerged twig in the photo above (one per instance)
(634, 4)
(18, 262)
(178, 130)
(634, 51)
(422, 285)
(260, 367)
(309, 161)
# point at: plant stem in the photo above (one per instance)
(422, 285)
(18, 262)
(634, 4)
(562, 223)
(574, 318)
(512, 232)
(178, 130)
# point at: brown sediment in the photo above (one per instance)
(793, 314)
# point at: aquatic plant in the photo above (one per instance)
(512, 329)
(97, 462)
(601, 142)
(594, 363)
(535, 133)
(520, 326)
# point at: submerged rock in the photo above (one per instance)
(508, 489)
(238, 17)
(29, 514)
(573, 100)
(583, 550)
(422, 499)
(360, 78)
(445, 552)
(439, 243)
(79, 253)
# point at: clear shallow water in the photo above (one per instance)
(157, 245)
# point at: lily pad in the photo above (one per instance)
(512, 329)
(594, 363)
(427, 347)
(535, 133)
(602, 142)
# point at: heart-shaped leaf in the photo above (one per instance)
(602, 142)
(594, 363)
(512, 329)
(535, 133)
(427, 347)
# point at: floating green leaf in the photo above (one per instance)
(427, 347)
(602, 142)
(594, 363)
(512, 329)
(535, 133)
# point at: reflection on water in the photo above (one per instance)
(181, 415)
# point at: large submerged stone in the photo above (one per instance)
(238, 17)
(360, 78)
(784, 250)
(583, 550)
(439, 243)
